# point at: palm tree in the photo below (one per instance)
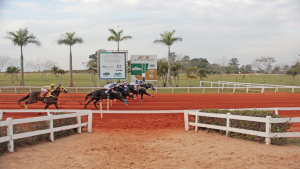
(167, 39)
(69, 39)
(117, 36)
(22, 38)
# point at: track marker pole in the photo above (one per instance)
(107, 103)
(101, 108)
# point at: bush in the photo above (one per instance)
(41, 125)
(249, 125)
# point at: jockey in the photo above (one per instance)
(109, 87)
(47, 89)
(125, 86)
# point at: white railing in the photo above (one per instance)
(248, 86)
(10, 122)
(221, 85)
(268, 120)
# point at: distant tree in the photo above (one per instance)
(175, 72)
(234, 62)
(244, 72)
(4, 60)
(292, 72)
(202, 73)
(29, 65)
(191, 73)
(264, 64)
(198, 62)
(162, 71)
(222, 62)
(42, 65)
(22, 38)
(12, 71)
(117, 36)
(168, 39)
(70, 39)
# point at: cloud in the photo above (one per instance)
(244, 29)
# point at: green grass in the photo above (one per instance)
(294, 141)
(85, 80)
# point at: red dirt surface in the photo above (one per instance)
(159, 102)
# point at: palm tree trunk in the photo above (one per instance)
(169, 69)
(71, 73)
(22, 69)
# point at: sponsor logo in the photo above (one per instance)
(151, 74)
(136, 68)
(118, 75)
(107, 67)
(152, 65)
(119, 66)
(143, 57)
(106, 74)
(119, 70)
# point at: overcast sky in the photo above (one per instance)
(212, 29)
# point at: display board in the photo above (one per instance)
(112, 65)
(144, 66)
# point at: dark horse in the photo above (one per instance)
(142, 90)
(35, 97)
(124, 93)
(100, 95)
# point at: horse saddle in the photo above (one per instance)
(47, 95)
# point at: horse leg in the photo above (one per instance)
(29, 102)
(95, 102)
(88, 102)
(148, 94)
(56, 105)
(142, 97)
(47, 105)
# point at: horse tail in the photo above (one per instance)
(87, 96)
(24, 98)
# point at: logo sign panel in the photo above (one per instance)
(144, 65)
(112, 65)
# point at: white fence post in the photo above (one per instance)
(101, 108)
(268, 129)
(30, 89)
(234, 89)
(218, 90)
(186, 120)
(188, 90)
(262, 89)
(247, 89)
(200, 83)
(107, 100)
(1, 114)
(15, 90)
(276, 111)
(10, 132)
(196, 121)
(48, 112)
(228, 123)
(172, 89)
(293, 90)
(51, 136)
(0, 90)
(203, 90)
(76, 90)
(90, 121)
(78, 122)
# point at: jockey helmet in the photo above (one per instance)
(52, 84)
(114, 83)
(125, 83)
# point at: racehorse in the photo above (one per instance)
(124, 93)
(35, 97)
(142, 90)
(100, 95)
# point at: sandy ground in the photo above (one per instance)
(119, 148)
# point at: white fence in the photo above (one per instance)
(10, 122)
(247, 86)
(268, 120)
(220, 86)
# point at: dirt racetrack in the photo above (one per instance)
(160, 102)
(155, 140)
